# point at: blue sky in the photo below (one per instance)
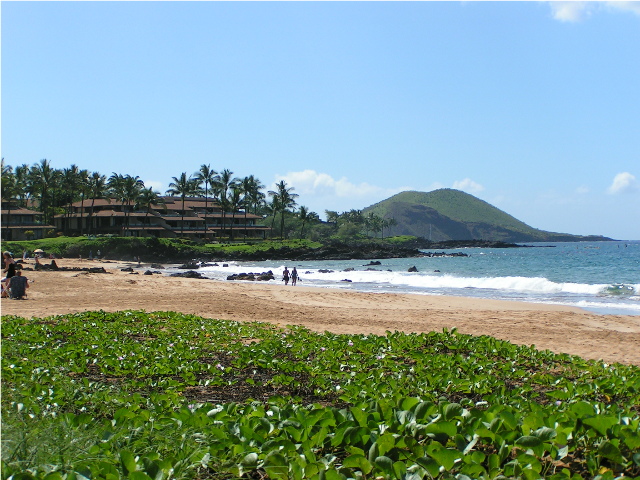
(533, 107)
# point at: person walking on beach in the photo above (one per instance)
(294, 276)
(285, 276)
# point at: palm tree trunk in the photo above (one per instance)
(182, 219)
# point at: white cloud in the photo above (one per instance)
(570, 11)
(582, 189)
(633, 7)
(310, 182)
(577, 11)
(623, 182)
(468, 185)
(159, 186)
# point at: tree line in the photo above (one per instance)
(52, 191)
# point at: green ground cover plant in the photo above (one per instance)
(127, 248)
(163, 395)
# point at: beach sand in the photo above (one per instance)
(612, 338)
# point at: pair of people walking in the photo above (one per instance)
(290, 275)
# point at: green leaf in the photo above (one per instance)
(545, 433)
(250, 460)
(385, 443)
(444, 456)
(385, 464)
(528, 441)
(358, 461)
(452, 410)
(601, 423)
(610, 451)
(128, 462)
(139, 476)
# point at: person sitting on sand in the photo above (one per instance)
(294, 276)
(18, 286)
(9, 267)
(285, 276)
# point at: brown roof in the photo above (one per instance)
(19, 211)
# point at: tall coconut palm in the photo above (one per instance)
(69, 194)
(9, 193)
(286, 200)
(40, 180)
(303, 215)
(21, 173)
(148, 197)
(223, 182)
(97, 190)
(251, 187)
(83, 186)
(126, 188)
(207, 176)
(183, 186)
(272, 208)
(235, 201)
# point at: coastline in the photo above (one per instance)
(561, 329)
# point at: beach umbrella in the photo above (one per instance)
(38, 250)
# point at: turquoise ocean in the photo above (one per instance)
(601, 277)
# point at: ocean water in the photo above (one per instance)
(602, 277)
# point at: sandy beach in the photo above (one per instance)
(612, 338)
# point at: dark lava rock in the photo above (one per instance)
(375, 262)
(322, 270)
(189, 274)
(412, 269)
(189, 266)
(264, 276)
(126, 269)
(156, 266)
(350, 269)
(346, 280)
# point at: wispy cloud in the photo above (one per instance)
(468, 185)
(571, 11)
(623, 182)
(578, 11)
(310, 182)
(159, 186)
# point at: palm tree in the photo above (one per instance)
(126, 189)
(41, 179)
(84, 187)
(9, 192)
(184, 187)
(97, 189)
(272, 209)
(71, 187)
(251, 187)
(148, 197)
(303, 215)
(223, 182)
(207, 176)
(286, 200)
(235, 201)
(21, 173)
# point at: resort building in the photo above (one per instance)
(169, 218)
(20, 223)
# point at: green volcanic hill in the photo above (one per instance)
(448, 214)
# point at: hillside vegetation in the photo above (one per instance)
(448, 214)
